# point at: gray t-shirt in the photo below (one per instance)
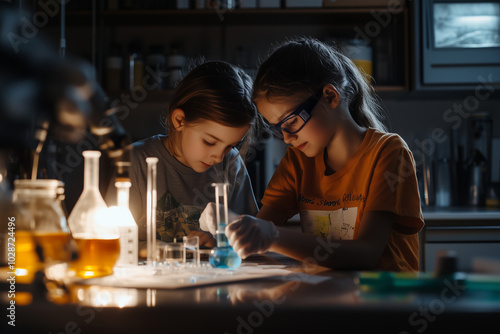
(182, 193)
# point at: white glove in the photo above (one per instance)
(208, 218)
(249, 235)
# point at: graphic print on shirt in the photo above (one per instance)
(175, 220)
(337, 224)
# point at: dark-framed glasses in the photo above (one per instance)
(296, 120)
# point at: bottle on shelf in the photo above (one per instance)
(182, 4)
(114, 68)
(200, 4)
(135, 65)
(175, 63)
(360, 52)
(157, 62)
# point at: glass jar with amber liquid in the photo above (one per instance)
(96, 235)
(42, 236)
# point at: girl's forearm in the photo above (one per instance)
(337, 254)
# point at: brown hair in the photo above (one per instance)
(303, 65)
(216, 91)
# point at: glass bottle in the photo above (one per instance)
(97, 237)
(175, 63)
(156, 61)
(135, 65)
(114, 66)
(42, 233)
(360, 52)
(129, 237)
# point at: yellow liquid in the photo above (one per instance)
(55, 245)
(27, 262)
(96, 257)
(365, 67)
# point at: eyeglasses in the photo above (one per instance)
(295, 121)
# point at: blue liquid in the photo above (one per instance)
(224, 257)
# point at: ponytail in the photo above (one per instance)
(364, 105)
(303, 65)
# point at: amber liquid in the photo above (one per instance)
(96, 257)
(27, 261)
(54, 246)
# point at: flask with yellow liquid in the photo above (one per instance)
(96, 237)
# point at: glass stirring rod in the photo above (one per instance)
(151, 211)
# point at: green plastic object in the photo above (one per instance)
(396, 281)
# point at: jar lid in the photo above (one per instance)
(35, 187)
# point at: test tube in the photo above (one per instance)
(151, 211)
(221, 191)
(222, 256)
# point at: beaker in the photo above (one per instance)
(192, 250)
(174, 253)
(97, 238)
(222, 256)
(42, 236)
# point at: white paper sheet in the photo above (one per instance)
(181, 277)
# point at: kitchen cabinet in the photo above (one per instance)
(472, 233)
(244, 36)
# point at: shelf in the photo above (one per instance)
(237, 16)
(226, 29)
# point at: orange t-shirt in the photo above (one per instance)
(379, 177)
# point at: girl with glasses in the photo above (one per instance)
(353, 184)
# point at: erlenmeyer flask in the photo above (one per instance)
(97, 237)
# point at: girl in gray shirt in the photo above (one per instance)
(210, 116)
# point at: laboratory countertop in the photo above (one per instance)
(310, 300)
(461, 213)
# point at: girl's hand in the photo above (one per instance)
(249, 235)
(208, 220)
